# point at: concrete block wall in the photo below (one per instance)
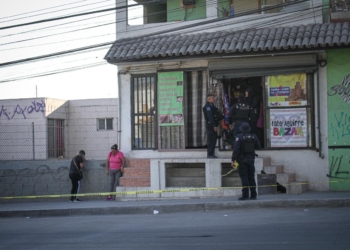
(17, 119)
(83, 130)
(49, 177)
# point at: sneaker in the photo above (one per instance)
(108, 198)
(77, 200)
(71, 200)
(253, 198)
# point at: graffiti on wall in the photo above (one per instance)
(339, 168)
(338, 100)
(340, 126)
(342, 89)
(39, 181)
(23, 111)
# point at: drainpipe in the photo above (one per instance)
(319, 118)
(119, 110)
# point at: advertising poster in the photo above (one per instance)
(287, 90)
(288, 127)
(170, 98)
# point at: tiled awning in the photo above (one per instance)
(302, 37)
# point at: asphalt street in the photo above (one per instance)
(248, 229)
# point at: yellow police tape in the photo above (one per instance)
(181, 190)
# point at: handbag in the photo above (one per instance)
(80, 173)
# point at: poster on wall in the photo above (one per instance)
(287, 90)
(288, 127)
(170, 99)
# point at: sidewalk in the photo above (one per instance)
(30, 208)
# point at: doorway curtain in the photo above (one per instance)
(196, 87)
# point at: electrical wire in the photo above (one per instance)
(283, 13)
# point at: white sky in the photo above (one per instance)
(95, 82)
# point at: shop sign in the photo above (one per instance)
(288, 127)
(170, 99)
(287, 90)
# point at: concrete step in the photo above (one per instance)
(285, 178)
(185, 181)
(273, 169)
(135, 181)
(137, 172)
(297, 187)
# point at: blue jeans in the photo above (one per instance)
(114, 176)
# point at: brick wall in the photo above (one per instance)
(137, 174)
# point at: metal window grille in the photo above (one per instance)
(143, 89)
(105, 124)
(55, 137)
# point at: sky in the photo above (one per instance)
(22, 81)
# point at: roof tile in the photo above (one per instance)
(252, 40)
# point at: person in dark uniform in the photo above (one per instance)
(244, 154)
(212, 117)
(253, 102)
(239, 113)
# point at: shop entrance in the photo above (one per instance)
(252, 88)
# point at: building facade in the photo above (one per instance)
(280, 49)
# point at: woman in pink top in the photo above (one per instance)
(114, 168)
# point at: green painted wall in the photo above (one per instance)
(177, 13)
(338, 101)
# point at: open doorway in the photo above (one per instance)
(232, 87)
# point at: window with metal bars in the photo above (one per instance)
(105, 124)
(55, 137)
(143, 112)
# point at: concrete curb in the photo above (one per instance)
(177, 208)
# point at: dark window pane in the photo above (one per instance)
(109, 124)
(101, 124)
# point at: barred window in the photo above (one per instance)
(55, 137)
(105, 124)
(143, 112)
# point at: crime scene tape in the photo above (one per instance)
(180, 190)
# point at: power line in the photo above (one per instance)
(76, 15)
(285, 21)
(109, 43)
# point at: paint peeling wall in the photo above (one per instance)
(338, 77)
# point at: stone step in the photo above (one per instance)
(285, 178)
(297, 187)
(273, 169)
(135, 181)
(185, 181)
(137, 172)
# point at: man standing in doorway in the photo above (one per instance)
(244, 155)
(212, 117)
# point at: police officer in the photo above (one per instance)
(212, 118)
(253, 102)
(244, 154)
(239, 113)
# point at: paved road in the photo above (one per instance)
(295, 228)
